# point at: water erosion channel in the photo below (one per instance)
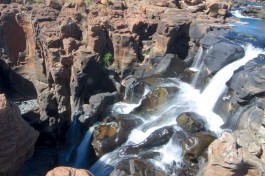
(153, 134)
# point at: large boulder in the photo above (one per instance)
(250, 129)
(191, 122)
(68, 171)
(136, 167)
(168, 65)
(156, 99)
(218, 8)
(248, 81)
(226, 157)
(195, 144)
(16, 136)
(158, 138)
(97, 104)
(221, 54)
(108, 136)
(256, 11)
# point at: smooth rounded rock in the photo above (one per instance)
(191, 122)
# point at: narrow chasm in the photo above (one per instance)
(143, 87)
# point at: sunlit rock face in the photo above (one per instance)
(77, 58)
(17, 138)
(226, 157)
(68, 171)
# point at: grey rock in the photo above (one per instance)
(222, 54)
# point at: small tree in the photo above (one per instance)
(108, 59)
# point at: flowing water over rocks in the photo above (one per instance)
(143, 87)
(168, 153)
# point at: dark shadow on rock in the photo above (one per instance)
(43, 159)
(14, 85)
(179, 42)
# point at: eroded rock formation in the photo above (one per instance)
(226, 157)
(67, 171)
(17, 138)
(77, 57)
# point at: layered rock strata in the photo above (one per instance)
(17, 138)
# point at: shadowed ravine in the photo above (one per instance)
(132, 88)
(169, 156)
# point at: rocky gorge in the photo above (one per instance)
(132, 87)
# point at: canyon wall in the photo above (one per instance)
(17, 138)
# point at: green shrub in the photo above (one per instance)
(108, 59)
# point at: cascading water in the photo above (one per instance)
(83, 148)
(72, 138)
(238, 14)
(188, 99)
(217, 85)
(198, 59)
(168, 156)
(198, 65)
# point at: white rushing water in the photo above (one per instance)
(187, 99)
(124, 108)
(238, 14)
(217, 84)
(197, 59)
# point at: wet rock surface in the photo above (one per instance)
(108, 136)
(78, 57)
(247, 82)
(195, 144)
(221, 54)
(157, 138)
(256, 12)
(137, 167)
(191, 122)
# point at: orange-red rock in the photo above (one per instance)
(68, 171)
(227, 158)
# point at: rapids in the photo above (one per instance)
(187, 99)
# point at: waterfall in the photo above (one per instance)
(217, 84)
(198, 65)
(83, 149)
(72, 138)
(197, 75)
(187, 99)
(197, 59)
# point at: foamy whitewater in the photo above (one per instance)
(188, 99)
(238, 14)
